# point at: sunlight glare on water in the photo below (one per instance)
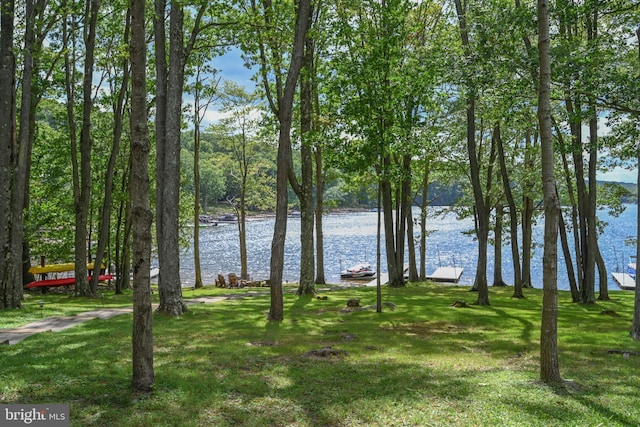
(350, 238)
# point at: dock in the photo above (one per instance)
(625, 281)
(384, 278)
(446, 274)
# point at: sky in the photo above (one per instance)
(620, 175)
(231, 67)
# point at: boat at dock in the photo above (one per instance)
(362, 271)
(627, 280)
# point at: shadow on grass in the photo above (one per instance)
(225, 364)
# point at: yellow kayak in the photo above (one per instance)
(57, 268)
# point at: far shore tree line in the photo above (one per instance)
(382, 103)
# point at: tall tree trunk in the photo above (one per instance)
(143, 375)
(413, 269)
(602, 275)
(573, 286)
(405, 216)
(423, 221)
(8, 297)
(513, 216)
(161, 69)
(242, 227)
(196, 183)
(579, 216)
(571, 273)
(82, 189)
(196, 204)
(169, 85)
(284, 110)
(482, 217)
(527, 215)
(305, 192)
(123, 253)
(169, 285)
(549, 366)
(320, 278)
(118, 119)
(497, 248)
(320, 180)
(592, 232)
(395, 274)
(635, 325)
(23, 156)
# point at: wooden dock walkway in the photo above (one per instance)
(446, 274)
(625, 281)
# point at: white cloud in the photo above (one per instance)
(619, 175)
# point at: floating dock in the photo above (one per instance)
(446, 274)
(625, 281)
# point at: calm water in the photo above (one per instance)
(351, 238)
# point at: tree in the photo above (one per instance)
(549, 367)
(380, 98)
(304, 190)
(242, 107)
(203, 96)
(9, 295)
(118, 107)
(482, 211)
(82, 170)
(169, 88)
(635, 327)
(143, 373)
(281, 104)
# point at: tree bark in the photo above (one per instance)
(635, 325)
(571, 273)
(284, 113)
(549, 366)
(143, 375)
(123, 233)
(196, 204)
(602, 275)
(497, 248)
(423, 220)
(575, 293)
(320, 278)
(305, 191)
(161, 69)
(513, 216)
(592, 232)
(169, 285)
(170, 85)
(82, 187)
(118, 119)
(527, 215)
(395, 276)
(481, 210)
(8, 298)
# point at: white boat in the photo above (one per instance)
(631, 267)
(359, 271)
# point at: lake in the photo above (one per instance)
(350, 238)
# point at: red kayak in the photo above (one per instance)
(64, 281)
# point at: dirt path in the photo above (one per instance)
(60, 323)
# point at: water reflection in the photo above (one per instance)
(351, 238)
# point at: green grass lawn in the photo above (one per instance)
(423, 363)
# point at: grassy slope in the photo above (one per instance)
(424, 363)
